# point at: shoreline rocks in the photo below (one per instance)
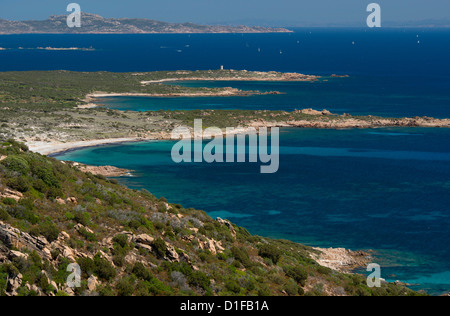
(341, 259)
(106, 171)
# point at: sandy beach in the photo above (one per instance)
(52, 148)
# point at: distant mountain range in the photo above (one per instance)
(95, 24)
(424, 23)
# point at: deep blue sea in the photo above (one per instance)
(381, 189)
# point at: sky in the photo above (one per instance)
(252, 12)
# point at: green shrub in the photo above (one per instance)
(87, 266)
(4, 216)
(125, 286)
(21, 212)
(47, 229)
(324, 270)
(27, 203)
(122, 240)
(87, 235)
(9, 201)
(232, 286)
(82, 218)
(46, 174)
(159, 247)
(141, 272)
(20, 184)
(242, 256)
(3, 282)
(200, 279)
(119, 254)
(271, 252)
(299, 274)
(17, 164)
(104, 269)
(106, 291)
(291, 288)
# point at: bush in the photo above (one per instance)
(106, 291)
(46, 175)
(242, 256)
(291, 288)
(20, 184)
(82, 218)
(21, 212)
(141, 272)
(18, 145)
(49, 230)
(299, 274)
(104, 269)
(119, 255)
(87, 266)
(9, 201)
(3, 215)
(200, 279)
(17, 164)
(125, 286)
(87, 235)
(271, 252)
(122, 240)
(159, 247)
(233, 286)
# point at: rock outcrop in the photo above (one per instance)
(8, 193)
(340, 259)
(228, 224)
(11, 236)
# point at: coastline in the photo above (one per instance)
(55, 148)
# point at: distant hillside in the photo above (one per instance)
(95, 24)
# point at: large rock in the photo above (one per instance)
(11, 236)
(211, 245)
(144, 246)
(228, 224)
(92, 283)
(143, 239)
(14, 284)
(171, 254)
(8, 193)
(17, 254)
(80, 227)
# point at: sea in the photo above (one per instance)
(386, 190)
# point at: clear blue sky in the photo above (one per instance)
(282, 12)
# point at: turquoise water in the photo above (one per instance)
(384, 189)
